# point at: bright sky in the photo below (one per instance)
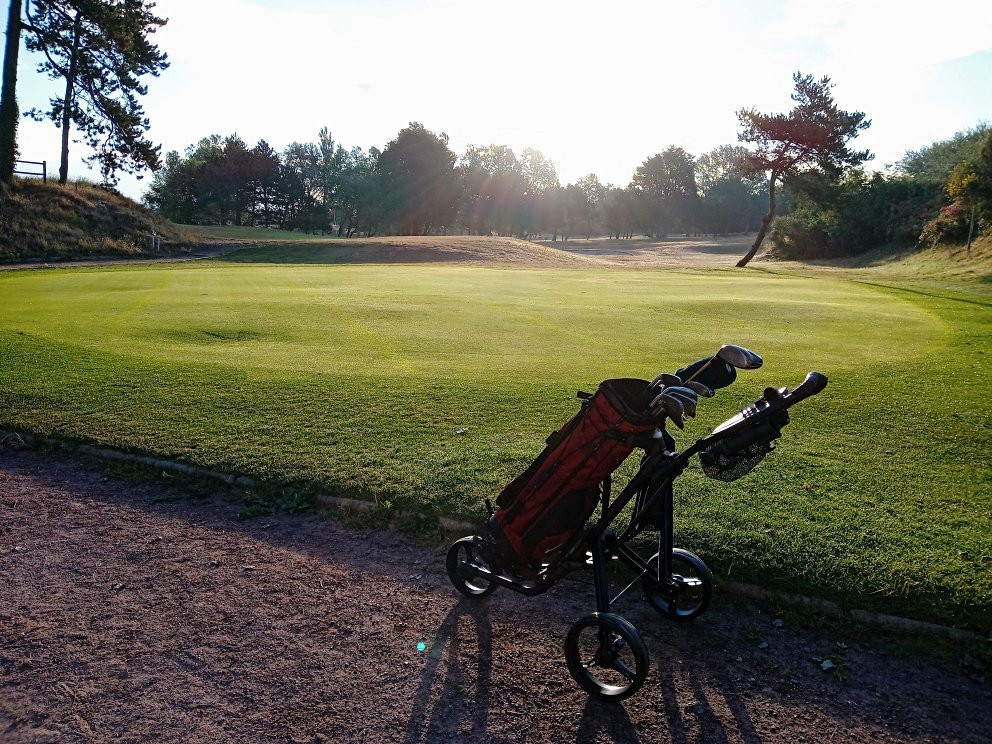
(596, 86)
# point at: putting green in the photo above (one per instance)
(469, 323)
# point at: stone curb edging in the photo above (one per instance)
(832, 609)
(826, 606)
(238, 481)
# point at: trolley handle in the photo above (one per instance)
(813, 384)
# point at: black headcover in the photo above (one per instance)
(718, 375)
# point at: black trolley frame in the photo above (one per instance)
(651, 489)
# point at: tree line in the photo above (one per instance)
(417, 185)
(940, 193)
(798, 164)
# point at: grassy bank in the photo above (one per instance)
(357, 378)
(46, 221)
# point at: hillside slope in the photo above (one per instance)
(49, 221)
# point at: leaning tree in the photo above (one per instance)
(100, 49)
(813, 136)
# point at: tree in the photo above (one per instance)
(667, 183)
(100, 48)
(492, 188)
(594, 193)
(418, 180)
(813, 136)
(539, 180)
(970, 184)
(619, 210)
(935, 162)
(303, 188)
(359, 200)
(732, 200)
(8, 94)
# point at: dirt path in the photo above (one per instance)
(127, 615)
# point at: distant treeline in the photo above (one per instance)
(417, 185)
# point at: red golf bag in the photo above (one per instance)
(544, 507)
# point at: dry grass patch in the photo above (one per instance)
(48, 221)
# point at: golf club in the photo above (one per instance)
(735, 356)
(685, 396)
(671, 408)
(738, 356)
(700, 389)
(666, 380)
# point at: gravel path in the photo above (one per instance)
(129, 615)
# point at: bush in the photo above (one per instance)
(854, 215)
(951, 224)
(806, 233)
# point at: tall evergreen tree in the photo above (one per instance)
(100, 49)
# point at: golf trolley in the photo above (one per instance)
(603, 651)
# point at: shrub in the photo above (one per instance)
(951, 224)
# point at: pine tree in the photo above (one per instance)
(100, 48)
(813, 136)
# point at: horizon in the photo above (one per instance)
(569, 79)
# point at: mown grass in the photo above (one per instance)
(357, 378)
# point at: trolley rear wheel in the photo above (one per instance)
(461, 554)
(606, 656)
(691, 590)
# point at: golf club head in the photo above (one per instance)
(738, 356)
(666, 380)
(685, 396)
(700, 389)
(670, 407)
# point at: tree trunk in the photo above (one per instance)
(765, 222)
(8, 94)
(70, 86)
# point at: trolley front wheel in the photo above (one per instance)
(606, 656)
(688, 595)
(462, 554)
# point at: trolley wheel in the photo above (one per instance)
(606, 656)
(690, 595)
(462, 553)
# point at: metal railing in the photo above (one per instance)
(43, 173)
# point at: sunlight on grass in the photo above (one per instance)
(355, 379)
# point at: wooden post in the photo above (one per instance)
(971, 230)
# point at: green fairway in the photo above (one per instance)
(355, 379)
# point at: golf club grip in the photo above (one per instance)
(814, 383)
